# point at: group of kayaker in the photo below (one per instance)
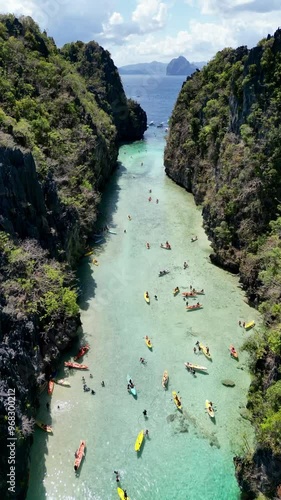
(167, 245)
(130, 385)
(162, 273)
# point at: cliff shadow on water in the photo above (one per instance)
(108, 207)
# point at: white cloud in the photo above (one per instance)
(230, 7)
(150, 14)
(116, 18)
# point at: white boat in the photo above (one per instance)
(63, 381)
(151, 123)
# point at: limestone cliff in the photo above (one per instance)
(60, 128)
(103, 80)
(224, 147)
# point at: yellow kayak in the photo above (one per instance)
(176, 290)
(146, 297)
(148, 342)
(249, 325)
(139, 441)
(177, 400)
(204, 350)
(121, 494)
(95, 262)
(88, 253)
(209, 408)
(44, 427)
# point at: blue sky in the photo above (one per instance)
(146, 30)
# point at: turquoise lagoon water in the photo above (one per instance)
(187, 456)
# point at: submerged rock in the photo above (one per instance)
(228, 383)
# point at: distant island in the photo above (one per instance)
(177, 66)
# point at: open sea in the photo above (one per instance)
(187, 455)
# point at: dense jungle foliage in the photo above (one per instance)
(63, 114)
(224, 146)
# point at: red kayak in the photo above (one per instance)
(82, 351)
(75, 365)
(79, 454)
(233, 352)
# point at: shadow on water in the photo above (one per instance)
(107, 208)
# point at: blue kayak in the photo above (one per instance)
(132, 389)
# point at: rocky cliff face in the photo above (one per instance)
(59, 136)
(224, 147)
(103, 80)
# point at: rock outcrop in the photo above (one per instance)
(224, 147)
(60, 130)
(180, 66)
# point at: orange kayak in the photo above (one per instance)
(193, 308)
(79, 454)
(75, 365)
(189, 294)
(51, 385)
(81, 352)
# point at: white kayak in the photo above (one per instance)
(63, 381)
(191, 366)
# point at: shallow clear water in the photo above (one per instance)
(187, 456)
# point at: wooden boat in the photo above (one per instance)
(132, 389)
(139, 441)
(189, 294)
(176, 400)
(203, 348)
(63, 381)
(71, 364)
(95, 262)
(191, 366)
(166, 247)
(209, 409)
(146, 297)
(121, 494)
(233, 352)
(165, 379)
(249, 325)
(148, 342)
(44, 427)
(79, 454)
(51, 385)
(194, 308)
(176, 291)
(81, 352)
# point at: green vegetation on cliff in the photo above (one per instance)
(63, 114)
(224, 147)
